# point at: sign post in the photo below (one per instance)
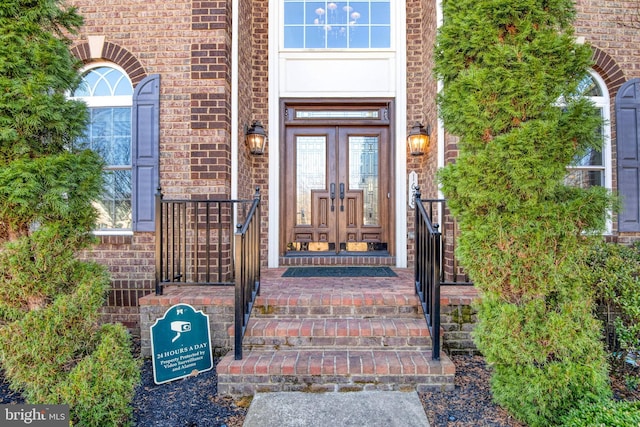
(180, 344)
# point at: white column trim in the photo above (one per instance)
(401, 136)
(273, 257)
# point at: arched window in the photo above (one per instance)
(594, 168)
(108, 93)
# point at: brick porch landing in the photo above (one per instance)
(335, 334)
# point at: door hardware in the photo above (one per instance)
(332, 195)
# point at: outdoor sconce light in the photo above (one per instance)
(256, 137)
(418, 139)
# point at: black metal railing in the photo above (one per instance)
(194, 241)
(435, 263)
(451, 272)
(198, 244)
(247, 261)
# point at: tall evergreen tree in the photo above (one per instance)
(511, 70)
(52, 348)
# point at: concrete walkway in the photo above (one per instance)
(357, 409)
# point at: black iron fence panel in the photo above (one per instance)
(197, 243)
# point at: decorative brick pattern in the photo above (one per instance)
(116, 54)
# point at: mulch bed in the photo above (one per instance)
(193, 401)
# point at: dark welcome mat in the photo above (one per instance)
(339, 272)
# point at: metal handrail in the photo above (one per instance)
(427, 272)
(247, 258)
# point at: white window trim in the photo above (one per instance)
(108, 101)
(604, 103)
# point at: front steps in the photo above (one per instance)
(335, 334)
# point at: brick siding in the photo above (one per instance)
(189, 44)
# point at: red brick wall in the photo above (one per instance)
(421, 96)
(260, 108)
(189, 44)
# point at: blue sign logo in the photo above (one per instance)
(180, 344)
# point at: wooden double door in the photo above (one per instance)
(337, 188)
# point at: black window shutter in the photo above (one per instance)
(145, 152)
(628, 148)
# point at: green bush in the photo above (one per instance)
(615, 274)
(52, 348)
(38, 351)
(100, 387)
(57, 354)
(524, 234)
(606, 414)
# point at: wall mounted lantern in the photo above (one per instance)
(256, 137)
(418, 139)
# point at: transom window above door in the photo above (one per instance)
(337, 25)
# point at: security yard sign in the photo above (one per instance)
(180, 344)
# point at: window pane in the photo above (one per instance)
(381, 37)
(337, 25)
(380, 13)
(359, 37)
(293, 13)
(104, 81)
(589, 87)
(114, 206)
(109, 134)
(363, 174)
(585, 178)
(315, 37)
(311, 160)
(592, 158)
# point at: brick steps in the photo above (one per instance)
(336, 304)
(335, 334)
(333, 370)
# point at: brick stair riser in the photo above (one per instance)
(347, 370)
(242, 385)
(275, 343)
(286, 311)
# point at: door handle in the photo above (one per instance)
(332, 195)
(341, 196)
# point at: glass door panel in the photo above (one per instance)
(363, 174)
(311, 173)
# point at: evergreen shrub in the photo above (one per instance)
(606, 414)
(52, 348)
(511, 70)
(101, 386)
(615, 274)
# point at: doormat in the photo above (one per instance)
(339, 272)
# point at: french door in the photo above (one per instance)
(337, 188)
